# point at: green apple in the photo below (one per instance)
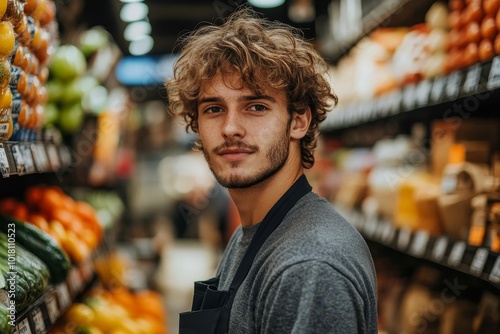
(67, 63)
(77, 88)
(71, 118)
(51, 114)
(93, 39)
(55, 89)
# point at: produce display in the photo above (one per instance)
(473, 36)
(28, 31)
(39, 243)
(73, 90)
(73, 225)
(116, 310)
(452, 37)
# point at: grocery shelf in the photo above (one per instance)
(388, 13)
(21, 158)
(44, 312)
(444, 251)
(476, 83)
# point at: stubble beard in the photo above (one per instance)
(277, 156)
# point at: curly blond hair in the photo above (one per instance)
(259, 50)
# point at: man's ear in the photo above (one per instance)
(300, 124)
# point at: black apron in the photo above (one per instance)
(211, 307)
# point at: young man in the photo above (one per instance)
(254, 92)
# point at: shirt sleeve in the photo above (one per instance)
(312, 297)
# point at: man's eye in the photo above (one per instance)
(213, 110)
(258, 107)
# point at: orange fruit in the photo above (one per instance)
(30, 6)
(39, 221)
(8, 204)
(3, 7)
(33, 196)
(7, 38)
(5, 98)
(24, 114)
(21, 212)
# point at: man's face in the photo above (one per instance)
(245, 136)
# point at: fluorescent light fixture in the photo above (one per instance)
(129, 1)
(134, 11)
(141, 46)
(266, 3)
(136, 30)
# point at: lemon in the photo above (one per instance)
(7, 38)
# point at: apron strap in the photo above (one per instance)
(270, 222)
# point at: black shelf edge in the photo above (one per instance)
(447, 252)
(471, 85)
(23, 158)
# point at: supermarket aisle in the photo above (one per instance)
(183, 261)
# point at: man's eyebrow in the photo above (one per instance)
(212, 99)
(256, 97)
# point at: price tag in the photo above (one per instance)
(367, 112)
(52, 309)
(472, 79)
(456, 254)
(28, 158)
(63, 296)
(18, 159)
(53, 156)
(379, 233)
(494, 75)
(4, 162)
(479, 261)
(37, 318)
(24, 327)
(439, 248)
(388, 234)
(419, 244)
(40, 157)
(495, 272)
(437, 90)
(453, 85)
(404, 238)
(423, 91)
(409, 97)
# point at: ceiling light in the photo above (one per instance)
(266, 3)
(141, 46)
(134, 11)
(136, 30)
(129, 1)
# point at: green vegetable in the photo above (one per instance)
(38, 242)
(30, 273)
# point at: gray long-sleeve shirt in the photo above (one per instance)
(314, 274)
